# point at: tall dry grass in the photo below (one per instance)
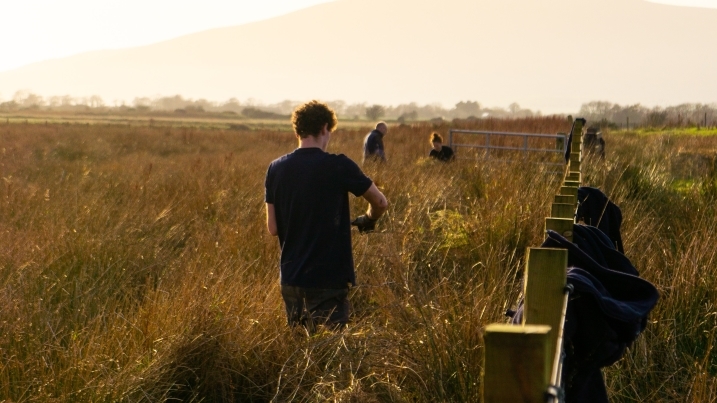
(135, 266)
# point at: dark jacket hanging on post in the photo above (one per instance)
(596, 209)
(606, 312)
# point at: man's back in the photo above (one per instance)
(309, 190)
(307, 207)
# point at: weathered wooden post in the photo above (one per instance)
(574, 162)
(522, 362)
(570, 188)
(577, 131)
(517, 363)
(564, 199)
(576, 146)
(563, 226)
(545, 279)
(562, 210)
(569, 191)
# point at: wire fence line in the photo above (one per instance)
(523, 363)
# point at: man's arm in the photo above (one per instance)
(377, 203)
(271, 220)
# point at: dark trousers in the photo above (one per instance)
(316, 306)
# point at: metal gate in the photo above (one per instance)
(506, 144)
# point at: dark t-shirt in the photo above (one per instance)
(309, 190)
(373, 146)
(446, 154)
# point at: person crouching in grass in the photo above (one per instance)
(307, 207)
(439, 151)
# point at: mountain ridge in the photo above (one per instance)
(393, 51)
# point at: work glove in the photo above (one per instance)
(364, 223)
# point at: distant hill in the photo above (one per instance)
(550, 55)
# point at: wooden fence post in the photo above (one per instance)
(563, 226)
(569, 191)
(576, 145)
(522, 361)
(564, 199)
(562, 210)
(517, 364)
(574, 164)
(545, 279)
(573, 176)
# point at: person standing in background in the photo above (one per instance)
(373, 149)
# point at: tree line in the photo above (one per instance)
(610, 115)
(602, 113)
(252, 108)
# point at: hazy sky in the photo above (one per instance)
(689, 3)
(36, 30)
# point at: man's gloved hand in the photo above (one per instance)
(364, 223)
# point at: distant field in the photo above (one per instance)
(135, 264)
(164, 119)
(686, 131)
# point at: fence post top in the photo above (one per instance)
(516, 329)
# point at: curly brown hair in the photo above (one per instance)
(308, 119)
(436, 138)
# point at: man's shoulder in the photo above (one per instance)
(299, 158)
(279, 160)
(340, 159)
(343, 164)
(300, 154)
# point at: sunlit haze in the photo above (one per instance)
(689, 3)
(36, 30)
(550, 56)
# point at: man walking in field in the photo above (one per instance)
(373, 144)
(307, 207)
